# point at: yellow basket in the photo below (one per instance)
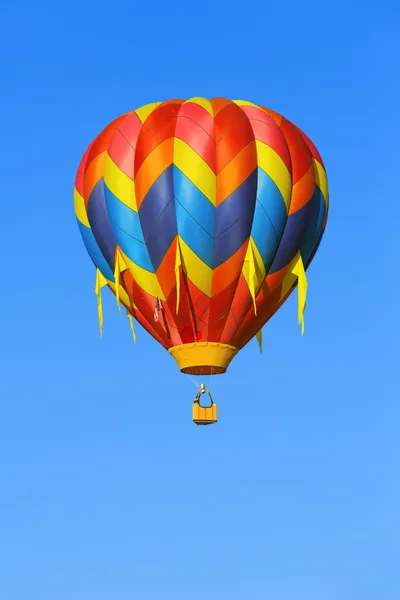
(204, 415)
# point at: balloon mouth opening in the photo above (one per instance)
(203, 358)
(203, 370)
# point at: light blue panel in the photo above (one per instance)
(272, 201)
(195, 203)
(124, 217)
(195, 236)
(128, 231)
(264, 235)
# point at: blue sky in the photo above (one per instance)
(107, 489)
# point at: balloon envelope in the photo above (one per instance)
(200, 215)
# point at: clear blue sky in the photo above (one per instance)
(107, 489)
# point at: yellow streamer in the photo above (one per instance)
(132, 325)
(259, 339)
(178, 263)
(302, 285)
(120, 265)
(101, 281)
(252, 276)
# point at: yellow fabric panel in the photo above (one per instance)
(195, 169)
(245, 103)
(146, 280)
(197, 271)
(322, 180)
(144, 111)
(206, 104)
(270, 162)
(80, 208)
(119, 183)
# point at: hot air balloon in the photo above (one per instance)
(202, 217)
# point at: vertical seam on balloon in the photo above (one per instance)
(234, 333)
(283, 232)
(209, 299)
(172, 314)
(248, 239)
(181, 272)
(104, 184)
(289, 204)
(316, 247)
(134, 183)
